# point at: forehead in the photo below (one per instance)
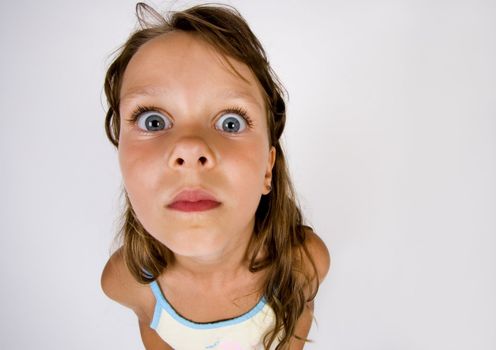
(179, 59)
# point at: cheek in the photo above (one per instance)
(129, 161)
(246, 163)
(244, 174)
(139, 176)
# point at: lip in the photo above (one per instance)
(193, 200)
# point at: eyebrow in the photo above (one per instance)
(143, 91)
(155, 91)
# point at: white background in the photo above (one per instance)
(391, 140)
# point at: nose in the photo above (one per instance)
(191, 152)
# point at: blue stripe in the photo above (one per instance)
(156, 316)
(170, 310)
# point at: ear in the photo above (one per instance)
(268, 172)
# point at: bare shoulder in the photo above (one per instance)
(118, 284)
(317, 250)
(319, 253)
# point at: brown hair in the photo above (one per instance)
(279, 225)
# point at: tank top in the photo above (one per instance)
(244, 332)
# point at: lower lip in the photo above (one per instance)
(194, 206)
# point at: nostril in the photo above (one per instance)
(202, 160)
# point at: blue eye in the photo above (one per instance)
(152, 121)
(231, 123)
(233, 120)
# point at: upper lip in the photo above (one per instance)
(193, 195)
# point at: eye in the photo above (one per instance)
(150, 120)
(233, 122)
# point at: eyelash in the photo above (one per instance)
(235, 109)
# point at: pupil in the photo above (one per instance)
(232, 125)
(153, 123)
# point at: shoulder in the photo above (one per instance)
(314, 261)
(319, 253)
(118, 284)
(313, 250)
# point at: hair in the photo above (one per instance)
(279, 227)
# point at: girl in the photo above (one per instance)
(214, 251)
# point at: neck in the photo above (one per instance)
(218, 268)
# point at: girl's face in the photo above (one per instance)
(194, 137)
